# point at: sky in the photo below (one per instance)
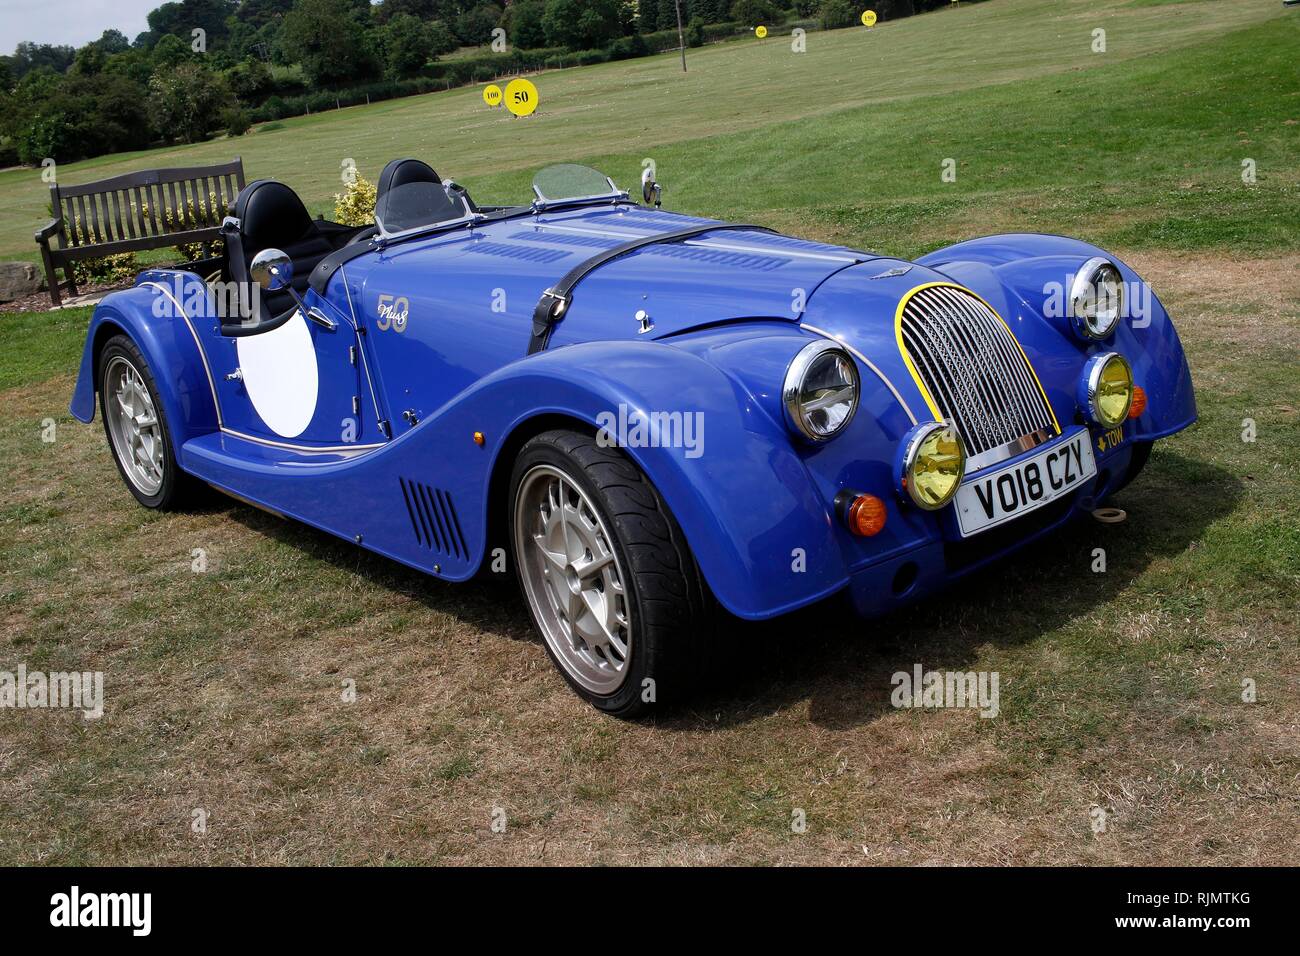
(70, 22)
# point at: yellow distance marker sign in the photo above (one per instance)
(521, 97)
(868, 18)
(492, 95)
(760, 32)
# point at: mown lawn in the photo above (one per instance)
(1120, 690)
(640, 108)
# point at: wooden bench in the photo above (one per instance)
(151, 209)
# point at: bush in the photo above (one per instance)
(186, 101)
(235, 120)
(108, 270)
(193, 217)
(695, 32)
(753, 12)
(834, 14)
(355, 206)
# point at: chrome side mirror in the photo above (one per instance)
(271, 269)
(651, 191)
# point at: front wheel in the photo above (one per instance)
(136, 428)
(607, 574)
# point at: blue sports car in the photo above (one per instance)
(648, 416)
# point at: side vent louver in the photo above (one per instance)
(433, 518)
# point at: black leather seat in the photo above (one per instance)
(271, 216)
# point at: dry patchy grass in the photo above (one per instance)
(224, 689)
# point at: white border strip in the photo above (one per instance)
(865, 361)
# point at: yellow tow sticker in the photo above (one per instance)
(868, 18)
(1110, 439)
(492, 95)
(521, 97)
(760, 31)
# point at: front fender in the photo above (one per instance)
(743, 498)
(166, 338)
(1032, 274)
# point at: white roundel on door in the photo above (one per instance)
(280, 376)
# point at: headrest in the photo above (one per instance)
(403, 172)
(271, 215)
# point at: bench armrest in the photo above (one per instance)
(51, 228)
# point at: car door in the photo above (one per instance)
(299, 383)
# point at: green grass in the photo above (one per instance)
(851, 83)
(39, 345)
(1120, 690)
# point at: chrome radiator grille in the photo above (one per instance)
(975, 373)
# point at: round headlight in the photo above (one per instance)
(933, 462)
(1096, 299)
(820, 393)
(1107, 389)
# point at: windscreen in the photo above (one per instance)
(571, 181)
(415, 206)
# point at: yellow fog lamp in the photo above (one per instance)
(1106, 389)
(932, 461)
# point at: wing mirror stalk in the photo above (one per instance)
(273, 271)
(651, 191)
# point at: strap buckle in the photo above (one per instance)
(561, 301)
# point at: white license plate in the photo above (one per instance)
(990, 500)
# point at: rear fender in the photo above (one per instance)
(166, 336)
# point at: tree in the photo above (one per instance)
(113, 41)
(329, 39)
(582, 24)
(474, 27)
(183, 17)
(441, 39)
(169, 51)
(78, 116)
(403, 46)
(89, 60)
(524, 24)
(136, 65)
(835, 14)
(186, 102)
(753, 12)
(420, 9)
(258, 13)
(30, 56)
(250, 80)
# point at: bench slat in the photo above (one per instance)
(82, 218)
(148, 209)
(150, 177)
(135, 245)
(117, 215)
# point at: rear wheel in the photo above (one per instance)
(607, 574)
(136, 428)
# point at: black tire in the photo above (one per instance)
(177, 488)
(671, 605)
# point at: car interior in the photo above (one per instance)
(271, 216)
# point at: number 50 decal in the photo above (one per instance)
(393, 313)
